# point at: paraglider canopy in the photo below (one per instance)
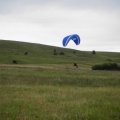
(73, 37)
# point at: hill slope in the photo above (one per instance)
(29, 53)
(44, 86)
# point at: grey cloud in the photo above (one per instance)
(11, 5)
(95, 20)
(105, 4)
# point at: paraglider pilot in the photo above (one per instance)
(75, 64)
(75, 38)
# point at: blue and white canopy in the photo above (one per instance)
(73, 37)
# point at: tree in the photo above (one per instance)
(54, 50)
(74, 52)
(14, 61)
(26, 53)
(54, 53)
(62, 53)
(93, 52)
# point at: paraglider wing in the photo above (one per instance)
(73, 37)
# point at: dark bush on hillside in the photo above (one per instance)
(54, 53)
(74, 52)
(14, 62)
(106, 66)
(26, 53)
(62, 53)
(93, 52)
(109, 60)
(118, 67)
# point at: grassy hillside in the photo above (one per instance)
(39, 54)
(43, 86)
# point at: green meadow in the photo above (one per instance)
(42, 85)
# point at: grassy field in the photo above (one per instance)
(43, 86)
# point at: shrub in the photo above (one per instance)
(106, 66)
(14, 62)
(74, 52)
(118, 67)
(54, 50)
(62, 53)
(93, 52)
(54, 53)
(26, 53)
(109, 60)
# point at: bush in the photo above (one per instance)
(62, 53)
(109, 60)
(118, 67)
(74, 52)
(93, 52)
(106, 66)
(14, 62)
(54, 53)
(26, 53)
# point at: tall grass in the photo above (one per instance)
(51, 93)
(44, 86)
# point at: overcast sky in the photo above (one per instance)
(97, 22)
